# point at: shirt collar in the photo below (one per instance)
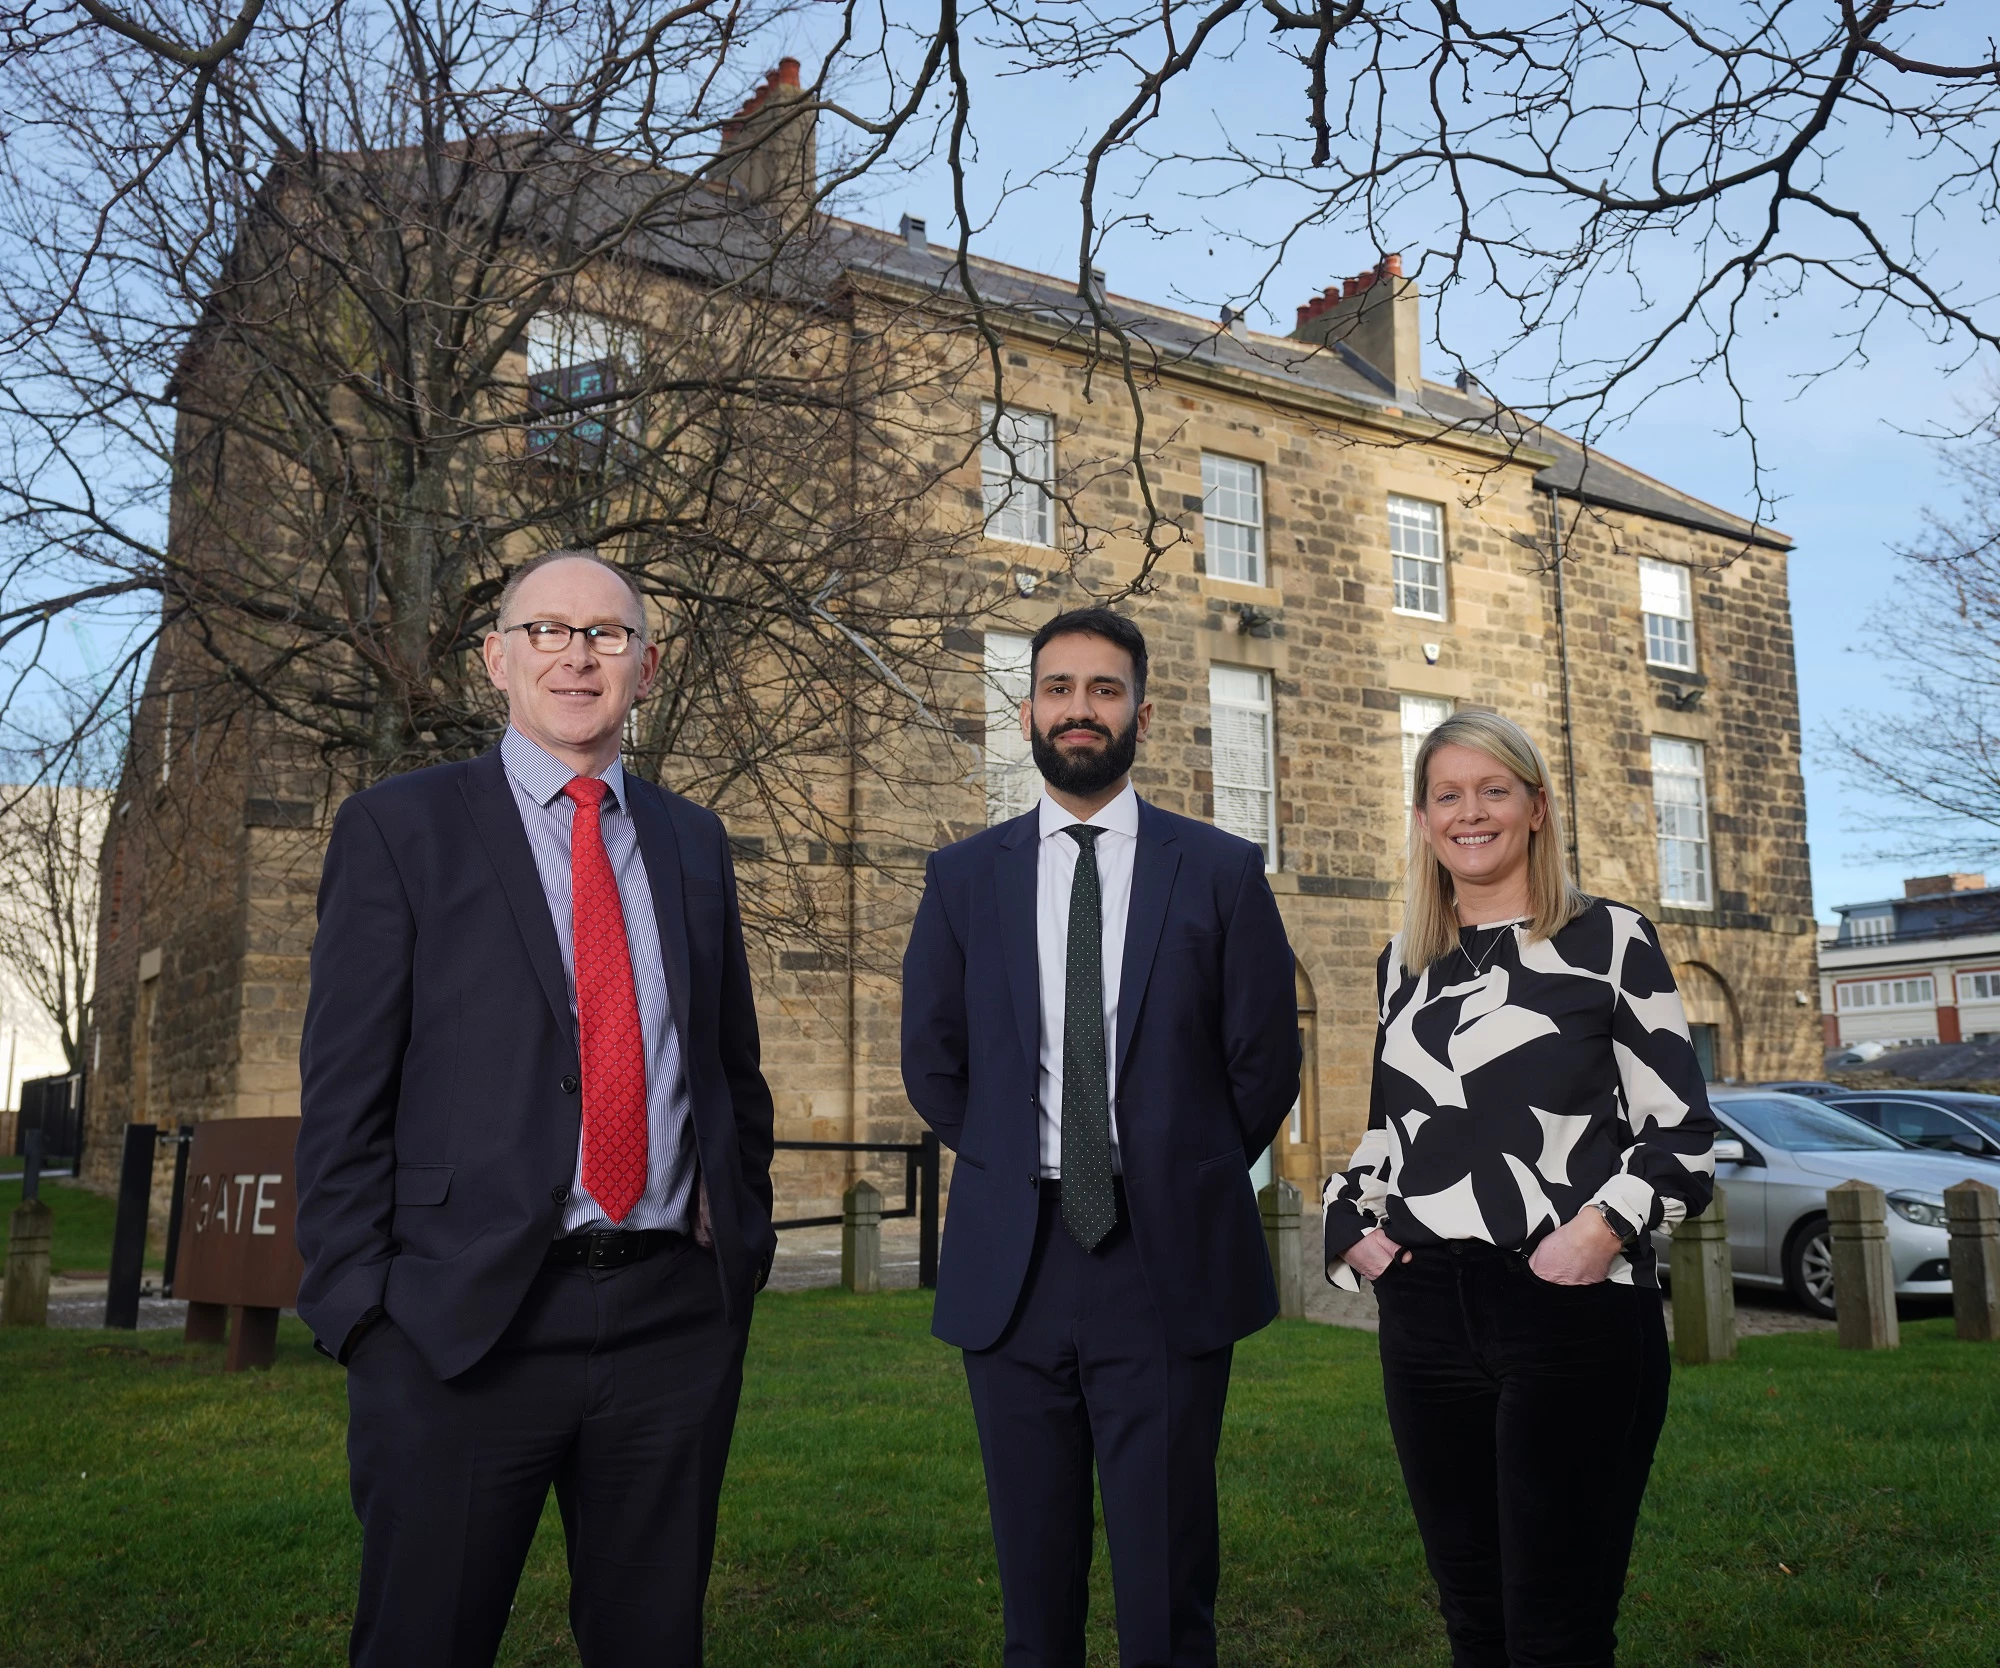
(1121, 816)
(543, 777)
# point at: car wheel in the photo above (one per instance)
(1809, 1266)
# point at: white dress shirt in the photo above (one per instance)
(1055, 870)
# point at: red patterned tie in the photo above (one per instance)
(607, 1014)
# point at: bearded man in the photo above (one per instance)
(1099, 1021)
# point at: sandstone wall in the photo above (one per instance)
(224, 893)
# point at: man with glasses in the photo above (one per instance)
(534, 1166)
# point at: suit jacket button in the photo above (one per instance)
(559, 1194)
(570, 1085)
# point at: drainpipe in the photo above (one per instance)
(1562, 652)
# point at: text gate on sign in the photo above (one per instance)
(239, 1258)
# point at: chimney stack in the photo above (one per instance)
(770, 147)
(1939, 886)
(1373, 314)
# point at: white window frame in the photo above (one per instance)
(1013, 784)
(1870, 929)
(564, 341)
(1681, 823)
(1666, 608)
(1232, 514)
(1416, 557)
(561, 338)
(1239, 701)
(1969, 983)
(1017, 474)
(1419, 715)
(1915, 990)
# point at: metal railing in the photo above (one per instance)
(920, 1193)
(142, 1142)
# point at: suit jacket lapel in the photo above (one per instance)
(1154, 864)
(660, 847)
(1015, 866)
(497, 821)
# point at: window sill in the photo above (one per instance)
(1018, 544)
(1677, 674)
(1241, 590)
(1704, 913)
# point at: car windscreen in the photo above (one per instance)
(1804, 1126)
(1980, 1110)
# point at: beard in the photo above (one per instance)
(1084, 773)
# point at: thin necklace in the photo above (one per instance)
(1479, 967)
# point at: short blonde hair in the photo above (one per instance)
(1430, 901)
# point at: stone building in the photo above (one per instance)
(1361, 550)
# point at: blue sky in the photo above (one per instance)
(1845, 458)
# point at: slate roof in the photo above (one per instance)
(690, 225)
(1579, 472)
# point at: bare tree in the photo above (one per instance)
(49, 841)
(1633, 184)
(1626, 186)
(423, 296)
(289, 287)
(1940, 756)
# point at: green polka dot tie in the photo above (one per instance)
(1089, 1208)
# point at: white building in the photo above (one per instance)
(1924, 967)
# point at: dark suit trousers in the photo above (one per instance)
(618, 1387)
(1083, 1373)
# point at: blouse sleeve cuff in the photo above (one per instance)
(1344, 1229)
(1630, 1197)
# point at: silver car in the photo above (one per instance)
(1777, 1156)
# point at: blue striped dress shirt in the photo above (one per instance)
(546, 813)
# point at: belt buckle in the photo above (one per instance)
(599, 1252)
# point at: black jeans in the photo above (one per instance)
(1525, 1416)
(617, 1387)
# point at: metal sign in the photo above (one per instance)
(239, 1244)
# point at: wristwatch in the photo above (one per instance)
(1617, 1224)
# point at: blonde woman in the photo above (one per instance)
(1537, 1112)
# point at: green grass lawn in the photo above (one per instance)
(1810, 1507)
(83, 1224)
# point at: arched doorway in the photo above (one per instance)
(1713, 1022)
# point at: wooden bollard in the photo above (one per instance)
(1704, 1287)
(1279, 1202)
(861, 1238)
(1864, 1279)
(1972, 1212)
(29, 1232)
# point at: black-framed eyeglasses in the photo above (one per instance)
(552, 636)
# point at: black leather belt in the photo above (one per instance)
(611, 1248)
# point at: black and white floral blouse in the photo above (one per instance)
(1517, 1082)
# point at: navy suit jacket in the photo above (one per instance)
(439, 1065)
(1207, 1052)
